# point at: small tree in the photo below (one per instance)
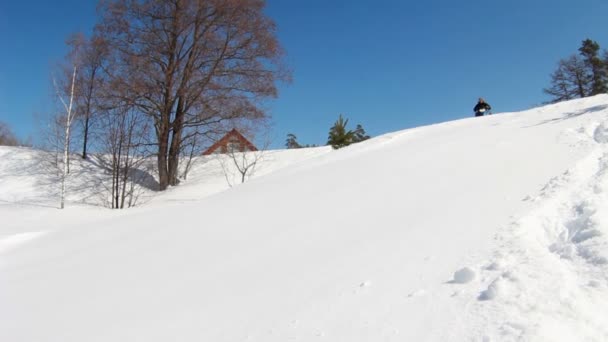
(123, 144)
(292, 141)
(7, 138)
(359, 134)
(339, 136)
(191, 148)
(243, 164)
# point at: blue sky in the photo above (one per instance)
(386, 64)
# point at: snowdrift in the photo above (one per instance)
(481, 229)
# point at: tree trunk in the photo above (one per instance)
(176, 143)
(581, 89)
(163, 147)
(66, 169)
(173, 162)
(66, 147)
(86, 136)
(118, 167)
(88, 113)
(127, 166)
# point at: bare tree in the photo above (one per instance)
(190, 64)
(123, 151)
(7, 138)
(246, 162)
(240, 164)
(53, 131)
(90, 55)
(68, 119)
(569, 80)
(191, 147)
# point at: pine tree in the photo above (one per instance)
(595, 67)
(292, 141)
(338, 135)
(359, 134)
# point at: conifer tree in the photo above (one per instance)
(596, 73)
(359, 134)
(292, 141)
(339, 136)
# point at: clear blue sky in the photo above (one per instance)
(386, 64)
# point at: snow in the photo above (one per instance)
(481, 229)
(464, 275)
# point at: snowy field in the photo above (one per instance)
(481, 229)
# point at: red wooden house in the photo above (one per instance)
(233, 141)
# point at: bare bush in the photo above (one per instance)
(7, 138)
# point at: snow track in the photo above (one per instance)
(548, 277)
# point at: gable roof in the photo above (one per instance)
(222, 144)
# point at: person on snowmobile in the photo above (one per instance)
(481, 107)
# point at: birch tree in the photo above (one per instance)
(69, 117)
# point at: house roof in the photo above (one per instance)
(229, 137)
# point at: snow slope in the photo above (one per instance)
(482, 229)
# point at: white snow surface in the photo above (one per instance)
(366, 243)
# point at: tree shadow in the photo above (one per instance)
(89, 179)
(571, 115)
(145, 179)
(142, 175)
(28, 203)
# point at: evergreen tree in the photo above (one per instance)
(292, 141)
(596, 73)
(359, 134)
(338, 135)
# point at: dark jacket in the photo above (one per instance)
(481, 107)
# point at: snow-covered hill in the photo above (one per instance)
(482, 229)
